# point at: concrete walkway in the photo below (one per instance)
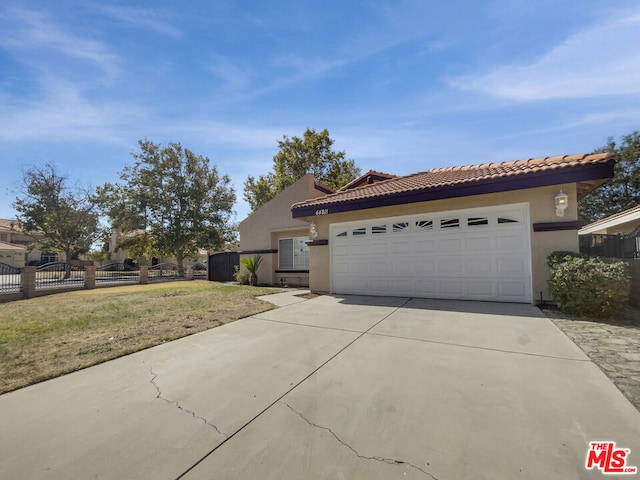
(352, 388)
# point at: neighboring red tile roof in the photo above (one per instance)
(452, 176)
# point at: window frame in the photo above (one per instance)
(295, 266)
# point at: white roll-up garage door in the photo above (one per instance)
(475, 254)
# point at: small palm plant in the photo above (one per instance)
(252, 265)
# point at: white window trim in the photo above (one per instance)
(293, 260)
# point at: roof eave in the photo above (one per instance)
(543, 178)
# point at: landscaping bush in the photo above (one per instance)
(587, 285)
(241, 277)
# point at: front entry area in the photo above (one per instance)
(472, 254)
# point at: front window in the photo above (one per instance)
(48, 258)
(293, 253)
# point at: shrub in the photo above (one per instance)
(241, 277)
(588, 286)
(252, 264)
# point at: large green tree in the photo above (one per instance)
(298, 156)
(175, 198)
(623, 190)
(62, 219)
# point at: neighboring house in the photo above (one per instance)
(120, 254)
(14, 255)
(623, 222)
(278, 238)
(614, 236)
(479, 232)
(11, 231)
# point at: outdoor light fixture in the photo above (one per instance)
(313, 233)
(562, 202)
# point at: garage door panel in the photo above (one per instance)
(379, 267)
(482, 288)
(452, 287)
(480, 254)
(511, 265)
(359, 267)
(378, 286)
(379, 248)
(449, 265)
(511, 243)
(341, 251)
(401, 266)
(513, 289)
(399, 247)
(450, 245)
(340, 268)
(341, 283)
(423, 266)
(480, 265)
(424, 246)
(479, 244)
(426, 287)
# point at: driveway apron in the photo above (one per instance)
(332, 387)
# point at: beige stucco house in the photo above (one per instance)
(120, 254)
(13, 255)
(280, 239)
(11, 232)
(479, 232)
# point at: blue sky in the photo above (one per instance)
(402, 86)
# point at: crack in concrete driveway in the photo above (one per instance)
(193, 414)
(377, 458)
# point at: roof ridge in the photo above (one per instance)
(440, 177)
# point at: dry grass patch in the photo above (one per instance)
(45, 337)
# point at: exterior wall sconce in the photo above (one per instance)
(313, 233)
(562, 202)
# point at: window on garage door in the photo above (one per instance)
(293, 253)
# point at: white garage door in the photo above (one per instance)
(476, 254)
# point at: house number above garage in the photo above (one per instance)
(322, 211)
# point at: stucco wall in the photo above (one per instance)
(262, 229)
(12, 257)
(256, 229)
(541, 210)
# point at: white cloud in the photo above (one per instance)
(234, 76)
(603, 59)
(31, 31)
(157, 20)
(213, 132)
(62, 113)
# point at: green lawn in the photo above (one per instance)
(45, 337)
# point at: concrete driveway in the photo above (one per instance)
(345, 388)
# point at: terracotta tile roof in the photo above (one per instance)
(458, 176)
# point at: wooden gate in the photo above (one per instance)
(221, 266)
